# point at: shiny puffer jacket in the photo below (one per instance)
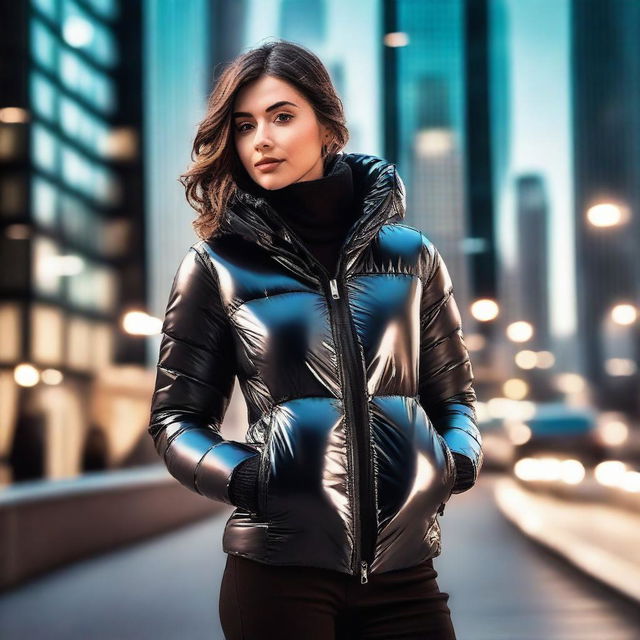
(358, 384)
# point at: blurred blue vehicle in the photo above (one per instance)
(557, 428)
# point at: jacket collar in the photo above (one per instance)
(380, 194)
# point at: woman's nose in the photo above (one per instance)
(262, 138)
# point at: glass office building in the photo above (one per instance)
(69, 153)
(428, 81)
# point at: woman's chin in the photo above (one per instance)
(272, 184)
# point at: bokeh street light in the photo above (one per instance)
(520, 331)
(607, 214)
(485, 309)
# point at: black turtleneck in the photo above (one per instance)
(320, 212)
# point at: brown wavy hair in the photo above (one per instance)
(210, 181)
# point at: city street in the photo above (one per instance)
(328, 262)
(501, 586)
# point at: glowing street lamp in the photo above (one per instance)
(607, 214)
(520, 331)
(139, 323)
(485, 309)
(624, 314)
(26, 375)
(515, 389)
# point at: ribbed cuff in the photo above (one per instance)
(243, 489)
(465, 473)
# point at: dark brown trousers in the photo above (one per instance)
(260, 602)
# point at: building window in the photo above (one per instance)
(10, 332)
(47, 333)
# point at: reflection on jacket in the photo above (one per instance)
(358, 384)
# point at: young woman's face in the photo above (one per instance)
(271, 119)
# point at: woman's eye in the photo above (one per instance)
(240, 128)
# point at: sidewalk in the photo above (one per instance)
(600, 540)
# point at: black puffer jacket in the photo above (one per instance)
(358, 384)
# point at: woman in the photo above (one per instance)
(339, 321)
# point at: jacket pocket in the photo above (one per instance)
(262, 486)
(263, 471)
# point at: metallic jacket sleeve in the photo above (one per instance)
(194, 382)
(446, 376)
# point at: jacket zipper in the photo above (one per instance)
(360, 463)
(360, 564)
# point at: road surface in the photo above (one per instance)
(501, 587)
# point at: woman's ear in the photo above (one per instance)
(326, 134)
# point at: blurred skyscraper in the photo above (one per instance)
(430, 126)
(531, 176)
(532, 273)
(304, 22)
(606, 84)
(438, 79)
(180, 42)
(71, 211)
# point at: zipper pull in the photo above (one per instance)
(441, 509)
(364, 578)
(334, 288)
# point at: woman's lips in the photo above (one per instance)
(269, 166)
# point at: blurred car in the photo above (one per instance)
(556, 428)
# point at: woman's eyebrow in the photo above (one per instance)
(275, 105)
